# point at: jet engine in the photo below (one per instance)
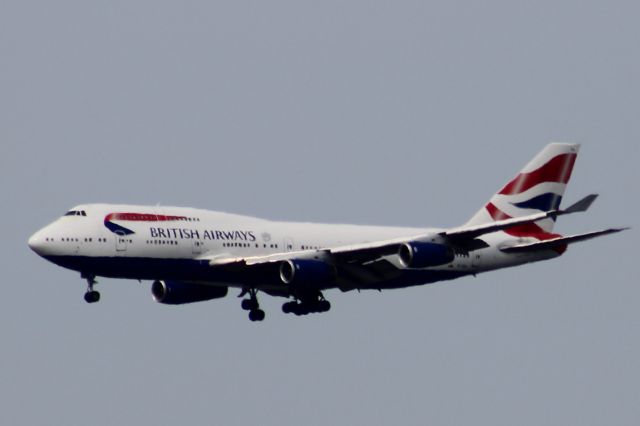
(307, 272)
(179, 292)
(423, 255)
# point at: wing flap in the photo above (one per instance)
(228, 260)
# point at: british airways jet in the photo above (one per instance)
(193, 255)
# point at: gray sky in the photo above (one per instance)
(393, 113)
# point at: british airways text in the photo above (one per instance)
(187, 234)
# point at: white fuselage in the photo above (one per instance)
(201, 233)
(148, 242)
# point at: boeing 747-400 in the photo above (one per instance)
(192, 255)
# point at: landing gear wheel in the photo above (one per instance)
(312, 303)
(324, 306)
(256, 315)
(289, 307)
(301, 309)
(92, 296)
(249, 304)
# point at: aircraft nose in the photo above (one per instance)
(36, 242)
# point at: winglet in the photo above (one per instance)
(582, 205)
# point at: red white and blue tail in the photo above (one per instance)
(539, 187)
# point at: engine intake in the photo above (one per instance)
(178, 292)
(307, 272)
(424, 255)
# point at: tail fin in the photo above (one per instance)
(538, 187)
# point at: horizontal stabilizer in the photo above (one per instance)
(470, 232)
(558, 242)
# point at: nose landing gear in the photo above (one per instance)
(91, 295)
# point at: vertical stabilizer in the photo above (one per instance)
(538, 187)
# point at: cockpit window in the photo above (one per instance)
(76, 213)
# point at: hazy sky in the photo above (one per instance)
(393, 113)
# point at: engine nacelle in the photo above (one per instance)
(424, 255)
(178, 292)
(307, 272)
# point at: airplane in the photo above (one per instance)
(193, 255)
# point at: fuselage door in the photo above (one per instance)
(121, 242)
(196, 247)
(288, 244)
(475, 259)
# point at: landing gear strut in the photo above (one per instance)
(251, 304)
(91, 295)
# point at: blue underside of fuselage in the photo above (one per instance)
(199, 270)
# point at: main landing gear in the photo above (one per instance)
(307, 306)
(251, 304)
(306, 303)
(91, 295)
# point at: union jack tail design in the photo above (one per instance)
(539, 187)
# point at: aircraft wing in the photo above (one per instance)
(364, 263)
(358, 266)
(462, 239)
(350, 253)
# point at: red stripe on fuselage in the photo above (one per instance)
(558, 169)
(141, 217)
